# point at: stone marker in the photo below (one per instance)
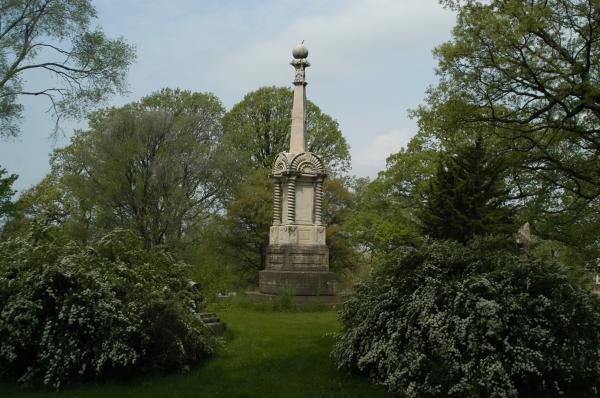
(297, 257)
(212, 321)
(524, 237)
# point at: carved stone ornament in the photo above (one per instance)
(299, 78)
(300, 65)
(281, 165)
(307, 163)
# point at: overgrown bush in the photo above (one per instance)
(72, 313)
(472, 321)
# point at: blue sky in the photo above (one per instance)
(371, 62)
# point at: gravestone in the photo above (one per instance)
(297, 258)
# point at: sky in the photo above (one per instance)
(371, 61)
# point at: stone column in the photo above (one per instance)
(277, 202)
(291, 199)
(319, 201)
(298, 129)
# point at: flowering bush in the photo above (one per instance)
(472, 321)
(78, 313)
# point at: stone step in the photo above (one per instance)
(212, 321)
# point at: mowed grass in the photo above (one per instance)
(267, 354)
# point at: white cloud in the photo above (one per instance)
(368, 160)
(342, 44)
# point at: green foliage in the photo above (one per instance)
(58, 38)
(386, 208)
(285, 300)
(267, 354)
(445, 319)
(466, 197)
(525, 71)
(257, 129)
(7, 207)
(249, 216)
(523, 75)
(46, 208)
(155, 166)
(339, 206)
(282, 302)
(71, 312)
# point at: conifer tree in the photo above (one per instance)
(466, 197)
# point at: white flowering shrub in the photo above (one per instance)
(472, 321)
(71, 313)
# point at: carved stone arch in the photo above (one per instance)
(307, 163)
(281, 164)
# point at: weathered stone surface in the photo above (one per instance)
(297, 235)
(297, 258)
(299, 283)
(212, 321)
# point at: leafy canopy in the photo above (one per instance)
(257, 129)
(526, 73)
(523, 75)
(155, 166)
(57, 37)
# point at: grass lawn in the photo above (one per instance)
(268, 354)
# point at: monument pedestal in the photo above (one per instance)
(303, 270)
(298, 283)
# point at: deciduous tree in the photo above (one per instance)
(57, 37)
(155, 166)
(524, 75)
(526, 72)
(258, 129)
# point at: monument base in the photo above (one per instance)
(302, 270)
(294, 257)
(298, 283)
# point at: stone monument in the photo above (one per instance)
(297, 256)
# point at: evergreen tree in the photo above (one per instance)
(467, 196)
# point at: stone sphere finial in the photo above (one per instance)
(300, 52)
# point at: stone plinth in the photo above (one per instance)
(298, 283)
(297, 258)
(301, 269)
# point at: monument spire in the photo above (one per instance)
(298, 131)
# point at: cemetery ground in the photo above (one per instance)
(266, 353)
